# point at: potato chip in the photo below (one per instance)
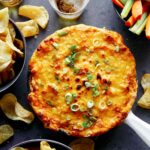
(37, 13)
(4, 19)
(145, 81)
(13, 110)
(12, 31)
(11, 44)
(45, 146)
(144, 101)
(82, 144)
(19, 148)
(5, 56)
(6, 131)
(28, 28)
(18, 43)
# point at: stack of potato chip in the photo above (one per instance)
(8, 51)
(38, 16)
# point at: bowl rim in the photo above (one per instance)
(11, 82)
(39, 140)
(64, 13)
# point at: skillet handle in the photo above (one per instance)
(139, 126)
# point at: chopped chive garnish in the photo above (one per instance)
(50, 103)
(62, 33)
(55, 45)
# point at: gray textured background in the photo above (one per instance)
(99, 13)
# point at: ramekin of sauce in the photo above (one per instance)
(69, 9)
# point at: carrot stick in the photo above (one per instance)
(118, 3)
(148, 27)
(137, 9)
(130, 22)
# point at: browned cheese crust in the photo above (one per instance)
(82, 80)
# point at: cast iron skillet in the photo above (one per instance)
(20, 62)
(36, 144)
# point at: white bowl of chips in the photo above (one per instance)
(13, 51)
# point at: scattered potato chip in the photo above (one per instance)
(144, 101)
(28, 28)
(5, 56)
(13, 110)
(45, 146)
(19, 148)
(145, 81)
(37, 13)
(4, 19)
(11, 44)
(82, 144)
(6, 131)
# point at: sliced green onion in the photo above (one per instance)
(90, 104)
(89, 76)
(73, 47)
(74, 95)
(109, 103)
(76, 70)
(87, 124)
(55, 45)
(102, 105)
(96, 93)
(127, 8)
(67, 61)
(68, 98)
(62, 33)
(97, 63)
(74, 107)
(117, 48)
(88, 84)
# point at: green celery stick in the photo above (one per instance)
(127, 8)
(141, 28)
(123, 1)
(138, 23)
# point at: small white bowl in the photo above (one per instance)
(73, 15)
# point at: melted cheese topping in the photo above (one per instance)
(83, 80)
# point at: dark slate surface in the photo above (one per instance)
(99, 13)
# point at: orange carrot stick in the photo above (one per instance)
(148, 27)
(137, 9)
(118, 3)
(130, 22)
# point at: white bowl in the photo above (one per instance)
(69, 15)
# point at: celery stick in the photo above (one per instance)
(138, 23)
(127, 8)
(141, 28)
(123, 1)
